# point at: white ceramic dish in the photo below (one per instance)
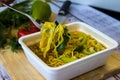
(77, 67)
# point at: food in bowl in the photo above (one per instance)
(59, 46)
(75, 67)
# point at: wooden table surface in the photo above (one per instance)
(19, 68)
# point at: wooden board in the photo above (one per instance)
(19, 68)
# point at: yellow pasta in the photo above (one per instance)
(58, 46)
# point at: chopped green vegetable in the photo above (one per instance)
(86, 52)
(91, 49)
(84, 40)
(61, 47)
(67, 59)
(66, 37)
(79, 48)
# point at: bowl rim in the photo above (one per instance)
(73, 62)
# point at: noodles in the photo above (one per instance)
(51, 34)
(58, 46)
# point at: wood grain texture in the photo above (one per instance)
(19, 68)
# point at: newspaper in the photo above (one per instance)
(93, 17)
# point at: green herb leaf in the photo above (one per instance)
(3, 40)
(61, 47)
(14, 44)
(79, 48)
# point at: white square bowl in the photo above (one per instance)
(77, 67)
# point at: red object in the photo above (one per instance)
(23, 32)
(33, 28)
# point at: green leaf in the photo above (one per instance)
(24, 6)
(61, 47)
(14, 44)
(9, 17)
(3, 40)
(79, 48)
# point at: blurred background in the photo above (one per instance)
(110, 7)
